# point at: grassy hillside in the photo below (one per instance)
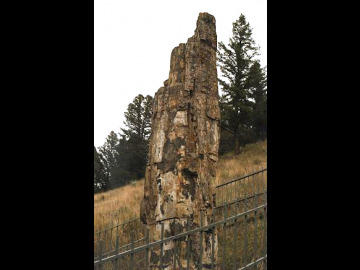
(123, 203)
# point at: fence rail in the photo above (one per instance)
(118, 237)
(240, 188)
(116, 226)
(241, 178)
(240, 222)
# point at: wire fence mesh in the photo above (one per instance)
(239, 219)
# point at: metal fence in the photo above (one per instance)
(239, 219)
(118, 238)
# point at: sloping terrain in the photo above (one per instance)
(122, 204)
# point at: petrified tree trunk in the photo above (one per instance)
(184, 148)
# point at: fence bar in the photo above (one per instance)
(147, 249)
(129, 244)
(174, 248)
(96, 246)
(222, 196)
(184, 234)
(250, 257)
(238, 200)
(231, 193)
(265, 228)
(254, 183)
(118, 225)
(110, 242)
(100, 253)
(224, 239)
(132, 253)
(213, 241)
(234, 242)
(241, 178)
(162, 245)
(255, 234)
(117, 244)
(126, 245)
(245, 236)
(255, 262)
(188, 244)
(201, 238)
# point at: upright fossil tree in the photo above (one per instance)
(183, 149)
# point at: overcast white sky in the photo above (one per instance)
(134, 39)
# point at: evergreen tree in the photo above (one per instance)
(235, 61)
(124, 158)
(100, 175)
(134, 146)
(138, 118)
(109, 154)
(121, 173)
(258, 84)
(147, 103)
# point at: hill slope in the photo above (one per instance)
(123, 203)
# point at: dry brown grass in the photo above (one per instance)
(117, 205)
(122, 204)
(252, 158)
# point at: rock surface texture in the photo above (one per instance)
(184, 149)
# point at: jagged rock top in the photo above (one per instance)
(206, 29)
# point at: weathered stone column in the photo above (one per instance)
(184, 147)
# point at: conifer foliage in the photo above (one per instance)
(243, 102)
(100, 174)
(124, 155)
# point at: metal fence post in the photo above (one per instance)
(162, 245)
(265, 226)
(213, 241)
(245, 234)
(201, 238)
(255, 229)
(188, 245)
(147, 249)
(116, 248)
(224, 234)
(132, 254)
(100, 253)
(235, 239)
(174, 248)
